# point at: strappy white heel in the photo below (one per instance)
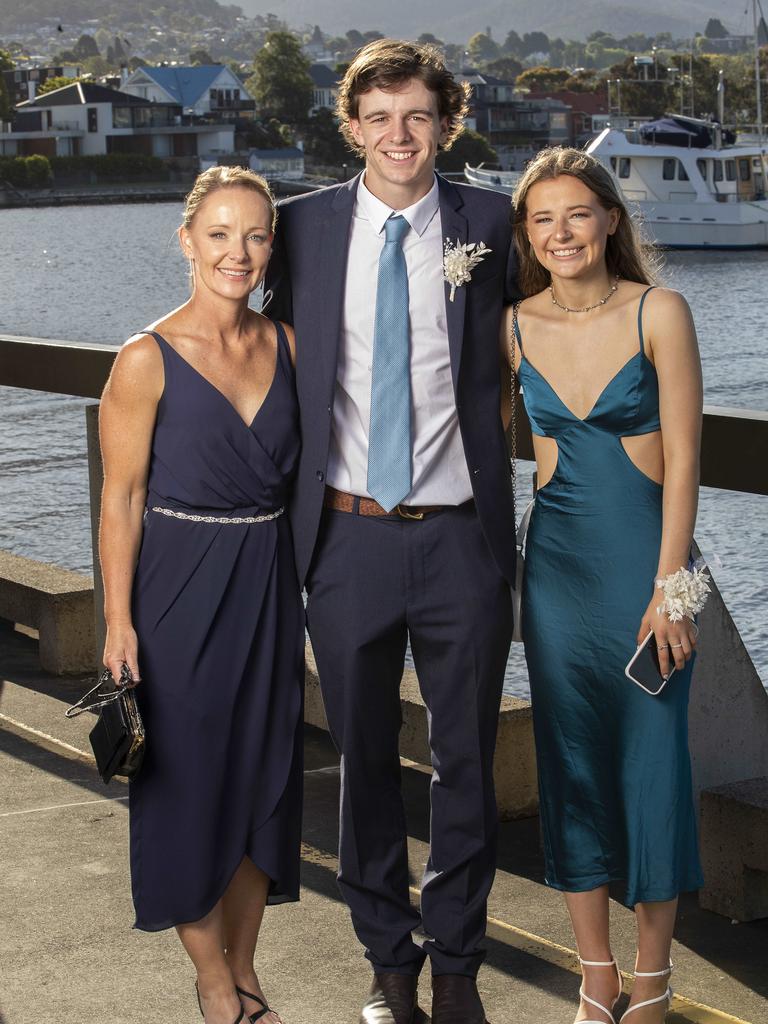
(594, 1002)
(659, 999)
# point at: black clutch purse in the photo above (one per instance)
(118, 738)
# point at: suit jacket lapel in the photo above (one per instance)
(332, 248)
(455, 229)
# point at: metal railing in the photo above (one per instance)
(734, 454)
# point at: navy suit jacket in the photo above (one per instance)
(307, 272)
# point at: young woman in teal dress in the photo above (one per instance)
(609, 368)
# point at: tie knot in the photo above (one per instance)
(395, 228)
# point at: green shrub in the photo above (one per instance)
(26, 171)
(110, 167)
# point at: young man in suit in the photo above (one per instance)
(403, 513)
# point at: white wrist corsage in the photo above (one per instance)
(685, 593)
(459, 258)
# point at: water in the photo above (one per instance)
(100, 273)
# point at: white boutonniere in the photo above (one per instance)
(459, 259)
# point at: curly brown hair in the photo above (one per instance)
(388, 63)
(627, 253)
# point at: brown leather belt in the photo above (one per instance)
(343, 502)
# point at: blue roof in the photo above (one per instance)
(185, 84)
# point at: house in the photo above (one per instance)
(517, 127)
(85, 119)
(277, 163)
(584, 108)
(326, 87)
(208, 90)
(23, 83)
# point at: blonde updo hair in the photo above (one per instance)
(627, 254)
(216, 178)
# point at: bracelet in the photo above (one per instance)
(685, 593)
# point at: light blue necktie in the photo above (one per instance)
(389, 436)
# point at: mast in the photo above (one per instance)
(758, 87)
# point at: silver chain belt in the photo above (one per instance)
(224, 520)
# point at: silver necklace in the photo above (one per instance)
(583, 309)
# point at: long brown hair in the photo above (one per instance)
(627, 254)
(389, 63)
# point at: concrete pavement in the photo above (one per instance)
(68, 954)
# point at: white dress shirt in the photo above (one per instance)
(439, 474)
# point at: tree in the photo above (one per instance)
(200, 56)
(324, 144)
(281, 83)
(6, 61)
(85, 47)
(355, 38)
(481, 48)
(469, 148)
(715, 29)
(513, 44)
(543, 79)
(535, 42)
(507, 68)
(6, 110)
(427, 39)
(55, 83)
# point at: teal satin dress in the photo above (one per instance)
(613, 761)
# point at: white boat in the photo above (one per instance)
(705, 197)
(498, 181)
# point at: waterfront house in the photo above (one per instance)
(516, 126)
(85, 119)
(287, 163)
(23, 83)
(326, 87)
(211, 91)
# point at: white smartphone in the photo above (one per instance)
(643, 668)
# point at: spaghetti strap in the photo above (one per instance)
(516, 325)
(640, 317)
(283, 346)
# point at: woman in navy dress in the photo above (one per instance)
(199, 434)
(611, 380)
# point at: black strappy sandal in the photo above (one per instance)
(202, 1014)
(259, 1013)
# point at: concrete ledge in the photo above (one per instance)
(58, 604)
(734, 840)
(515, 764)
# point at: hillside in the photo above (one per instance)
(115, 13)
(456, 20)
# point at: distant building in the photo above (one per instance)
(326, 87)
(23, 83)
(203, 91)
(84, 119)
(516, 127)
(277, 163)
(584, 108)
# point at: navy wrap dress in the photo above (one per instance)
(218, 613)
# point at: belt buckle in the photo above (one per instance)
(404, 514)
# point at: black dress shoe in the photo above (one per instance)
(455, 1000)
(392, 1000)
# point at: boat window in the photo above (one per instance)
(624, 166)
(717, 170)
(730, 170)
(613, 163)
(682, 174)
(744, 170)
(668, 169)
(702, 166)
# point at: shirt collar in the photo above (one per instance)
(419, 215)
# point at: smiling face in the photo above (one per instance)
(568, 227)
(229, 241)
(400, 130)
